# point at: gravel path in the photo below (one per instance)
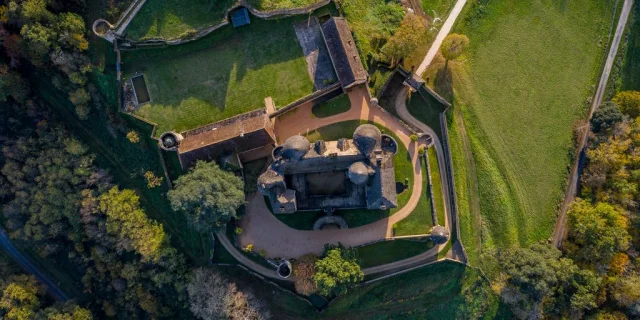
(572, 189)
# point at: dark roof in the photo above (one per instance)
(367, 138)
(240, 17)
(295, 147)
(343, 52)
(238, 134)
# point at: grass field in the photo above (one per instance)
(227, 73)
(332, 107)
(172, 19)
(441, 8)
(384, 252)
(631, 67)
(524, 83)
(445, 290)
(420, 220)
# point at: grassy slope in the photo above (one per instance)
(419, 221)
(631, 70)
(525, 82)
(444, 290)
(222, 75)
(171, 19)
(389, 251)
(332, 107)
(437, 185)
(441, 7)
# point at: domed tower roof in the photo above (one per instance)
(439, 235)
(367, 138)
(358, 173)
(295, 147)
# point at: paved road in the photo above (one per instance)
(22, 260)
(444, 31)
(570, 195)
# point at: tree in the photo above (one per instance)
(36, 11)
(38, 40)
(406, 38)
(126, 220)
(303, 273)
(597, 232)
(211, 296)
(337, 271)
(629, 102)
(626, 291)
(540, 280)
(20, 298)
(12, 85)
(209, 195)
(453, 46)
(605, 117)
(70, 29)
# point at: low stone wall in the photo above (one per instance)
(452, 188)
(315, 97)
(271, 14)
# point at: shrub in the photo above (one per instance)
(337, 271)
(152, 180)
(414, 137)
(248, 248)
(238, 230)
(133, 136)
(304, 271)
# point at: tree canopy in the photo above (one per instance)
(606, 116)
(208, 195)
(454, 45)
(337, 271)
(629, 102)
(406, 38)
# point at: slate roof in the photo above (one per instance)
(343, 52)
(238, 134)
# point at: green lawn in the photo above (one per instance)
(332, 107)
(172, 19)
(420, 220)
(437, 185)
(227, 73)
(524, 83)
(445, 290)
(384, 252)
(426, 110)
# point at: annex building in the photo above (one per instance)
(327, 175)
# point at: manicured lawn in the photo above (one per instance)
(438, 198)
(384, 252)
(280, 4)
(444, 290)
(172, 19)
(225, 74)
(420, 220)
(332, 107)
(524, 83)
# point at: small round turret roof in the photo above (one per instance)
(366, 138)
(295, 147)
(358, 173)
(439, 234)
